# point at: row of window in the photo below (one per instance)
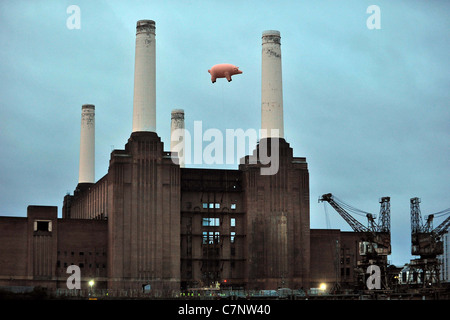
(81, 265)
(213, 237)
(215, 222)
(212, 205)
(81, 253)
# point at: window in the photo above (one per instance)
(43, 225)
(211, 205)
(232, 236)
(233, 206)
(233, 222)
(210, 222)
(210, 237)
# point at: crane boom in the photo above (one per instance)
(354, 224)
(442, 228)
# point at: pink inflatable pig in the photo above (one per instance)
(223, 70)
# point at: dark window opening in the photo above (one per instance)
(42, 226)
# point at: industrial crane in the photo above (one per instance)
(426, 242)
(375, 244)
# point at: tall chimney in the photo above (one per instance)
(177, 136)
(271, 85)
(87, 145)
(144, 102)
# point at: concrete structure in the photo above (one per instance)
(87, 145)
(271, 85)
(144, 103)
(159, 225)
(177, 136)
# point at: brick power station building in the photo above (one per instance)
(151, 221)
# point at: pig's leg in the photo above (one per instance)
(228, 76)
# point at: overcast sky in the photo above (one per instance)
(369, 109)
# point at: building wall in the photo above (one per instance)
(143, 216)
(277, 220)
(212, 228)
(352, 273)
(13, 250)
(26, 260)
(325, 259)
(334, 259)
(83, 243)
(88, 202)
(37, 250)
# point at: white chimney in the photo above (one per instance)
(144, 103)
(177, 135)
(271, 85)
(87, 145)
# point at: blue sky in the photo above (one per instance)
(369, 109)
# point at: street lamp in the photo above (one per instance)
(322, 287)
(91, 284)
